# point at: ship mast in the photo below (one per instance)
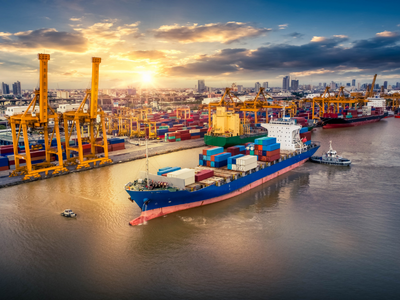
(147, 163)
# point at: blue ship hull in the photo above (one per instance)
(161, 202)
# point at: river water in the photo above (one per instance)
(318, 232)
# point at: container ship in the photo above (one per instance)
(222, 173)
(374, 111)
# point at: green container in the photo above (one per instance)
(178, 140)
(251, 152)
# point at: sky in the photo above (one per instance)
(174, 43)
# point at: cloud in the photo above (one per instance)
(283, 26)
(214, 32)
(75, 19)
(313, 58)
(45, 38)
(103, 35)
(144, 55)
(386, 34)
(295, 35)
(318, 39)
(341, 36)
(5, 35)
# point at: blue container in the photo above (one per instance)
(215, 151)
(232, 159)
(168, 170)
(304, 129)
(265, 141)
(3, 161)
(222, 157)
(307, 143)
(219, 164)
(201, 156)
(163, 169)
(200, 162)
(272, 147)
(264, 153)
(229, 166)
(212, 164)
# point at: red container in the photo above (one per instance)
(208, 163)
(272, 158)
(273, 153)
(4, 168)
(255, 152)
(204, 174)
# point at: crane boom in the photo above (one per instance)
(95, 86)
(44, 58)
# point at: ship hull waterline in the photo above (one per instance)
(158, 204)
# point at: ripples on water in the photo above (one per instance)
(318, 232)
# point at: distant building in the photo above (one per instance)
(265, 85)
(257, 87)
(201, 86)
(285, 83)
(234, 87)
(353, 82)
(131, 91)
(385, 84)
(294, 85)
(240, 88)
(348, 84)
(333, 85)
(6, 88)
(324, 84)
(17, 88)
(376, 86)
(62, 94)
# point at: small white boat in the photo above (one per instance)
(68, 213)
(331, 158)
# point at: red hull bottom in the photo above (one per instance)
(330, 126)
(159, 212)
(397, 117)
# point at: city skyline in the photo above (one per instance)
(167, 45)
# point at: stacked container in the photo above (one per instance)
(167, 170)
(214, 157)
(246, 163)
(267, 149)
(232, 161)
(203, 175)
(186, 174)
(4, 163)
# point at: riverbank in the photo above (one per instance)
(132, 152)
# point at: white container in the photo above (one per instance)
(186, 174)
(246, 160)
(234, 167)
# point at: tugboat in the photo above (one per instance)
(331, 158)
(68, 213)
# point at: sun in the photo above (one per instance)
(146, 77)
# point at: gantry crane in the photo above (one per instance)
(94, 119)
(261, 102)
(227, 100)
(29, 120)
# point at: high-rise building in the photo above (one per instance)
(348, 84)
(376, 86)
(131, 91)
(294, 85)
(17, 88)
(6, 88)
(353, 82)
(257, 87)
(385, 84)
(333, 85)
(201, 86)
(324, 84)
(286, 83)
(265, 85)
(240, 88)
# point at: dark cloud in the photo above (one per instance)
(216, 32)
(47, 38)
(320, 54)
(295, 35)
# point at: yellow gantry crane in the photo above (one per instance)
(227, 100)
(30, 120)
(94, 119)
